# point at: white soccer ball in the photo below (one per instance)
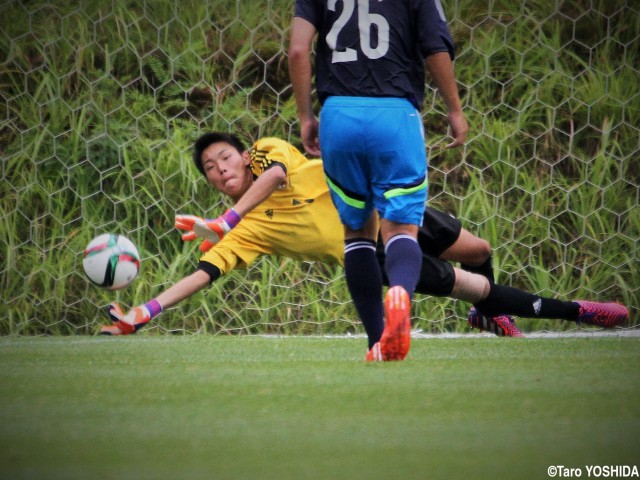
(111, 261)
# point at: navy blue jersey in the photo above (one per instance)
(375, 48)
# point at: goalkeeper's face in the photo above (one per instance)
(227, 169)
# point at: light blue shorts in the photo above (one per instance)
(374, 157)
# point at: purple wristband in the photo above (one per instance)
(154, 307)
(231, 217)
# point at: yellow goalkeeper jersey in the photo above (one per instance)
(298, 220)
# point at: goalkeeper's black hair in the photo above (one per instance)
(208, 139)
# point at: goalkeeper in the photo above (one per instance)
(283, 207)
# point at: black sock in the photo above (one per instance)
(486, 269)
(364, 281)
(403, 262)
(511, 301)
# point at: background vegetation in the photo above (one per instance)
(101, 101)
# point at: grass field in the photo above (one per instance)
(156, 407)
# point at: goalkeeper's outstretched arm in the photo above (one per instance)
(184, 288)
(137, 317)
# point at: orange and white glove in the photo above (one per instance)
(211, 230)
(134, 320)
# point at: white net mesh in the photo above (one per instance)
(101, 101)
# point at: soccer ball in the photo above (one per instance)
(111, 261)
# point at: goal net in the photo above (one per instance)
(101, 100)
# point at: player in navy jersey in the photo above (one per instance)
(370, 73)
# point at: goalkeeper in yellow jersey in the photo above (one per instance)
(283, 207)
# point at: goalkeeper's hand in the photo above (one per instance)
(187, 223)
(123, 324)
(212, 231)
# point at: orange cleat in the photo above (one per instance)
(396, 337)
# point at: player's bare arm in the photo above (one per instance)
(440, 68)
(300, 73)
(260, 190)
(184, 288)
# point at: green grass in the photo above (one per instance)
(194, 407)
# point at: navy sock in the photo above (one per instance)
(364, 281)
(511, 301)
(403, 262)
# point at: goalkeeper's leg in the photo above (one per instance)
(474, 255)
(501, 299)
(442, 236)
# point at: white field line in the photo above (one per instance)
(417, 334)
(542, 334)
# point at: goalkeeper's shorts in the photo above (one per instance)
(437, 277)
(438, 232)
(374, 158)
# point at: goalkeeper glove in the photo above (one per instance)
(132, 321)
(212, 231)
(186, 223)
